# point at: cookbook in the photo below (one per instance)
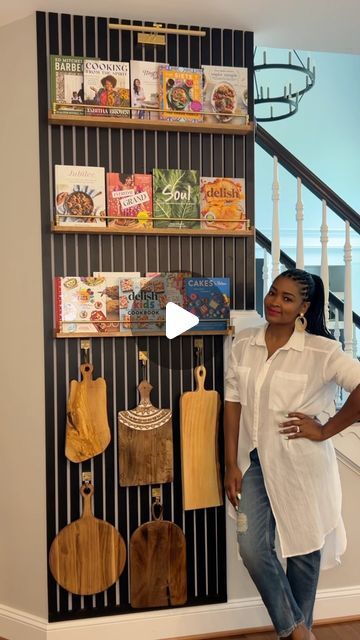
(79, 304)
(106, 86)
(222, 203)
(80, 195)
(209, 300)
(176, 194)
(67, 84)
(225, 94)
(129, 200)
(181, 94)
(144, 77)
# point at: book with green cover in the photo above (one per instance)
(67, 84)
(176, 198)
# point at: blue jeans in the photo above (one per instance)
(289, 597)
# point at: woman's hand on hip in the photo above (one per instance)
(300, 425)
(232, 484)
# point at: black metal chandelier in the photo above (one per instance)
(286, 104)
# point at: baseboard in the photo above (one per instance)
(175, 624)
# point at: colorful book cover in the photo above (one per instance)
(80, 305)
(110, 292)
(142, 301)
(176, 194)
(209, 299)
(106, 86)
(67, 84)
(181, 94)
(225, 94)
(129, 200)
(222, 203)
(80, 195)
(144, 77)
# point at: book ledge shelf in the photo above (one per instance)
(141, 334)
(72, 120)
(150, 232)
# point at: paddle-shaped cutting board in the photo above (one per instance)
(88, 555)
(199, 419)
(87, 427)
(145, 443)
(158, 564)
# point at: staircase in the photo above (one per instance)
(341, 318)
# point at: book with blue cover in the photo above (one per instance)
(209, 300)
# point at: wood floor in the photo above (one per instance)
(343, 631)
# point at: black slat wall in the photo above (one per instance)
(116, 359)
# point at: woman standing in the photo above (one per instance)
(138, 98)
(281, 469)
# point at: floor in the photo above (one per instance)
(343, 631)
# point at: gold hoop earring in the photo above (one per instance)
(301, 323)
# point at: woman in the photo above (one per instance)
(138, 98)
(107, 95)
(281, 469)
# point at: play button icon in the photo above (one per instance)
(178, 320)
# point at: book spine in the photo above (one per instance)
(58, 302)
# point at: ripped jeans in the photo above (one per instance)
(289, 597)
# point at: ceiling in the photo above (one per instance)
(310, 25)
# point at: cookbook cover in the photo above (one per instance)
(110, 293)
(129, 200)
(80, 305)
(144, 78)
(106, 86)
(222, 203)
(225, 94)
(80, 195)
(209, 299)
(181, 94)
(67, 84)
(176, 194)
(142, 301)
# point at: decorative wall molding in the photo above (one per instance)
(247, 613)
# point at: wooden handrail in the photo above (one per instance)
(308, 178)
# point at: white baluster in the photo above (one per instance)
(354, 342)
(348, 323)
(275, 242)
(265, 275)
(324, 269)
(336, 325)
(299, 225)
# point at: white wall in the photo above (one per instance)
(22, 447)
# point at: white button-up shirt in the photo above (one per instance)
(301, 476)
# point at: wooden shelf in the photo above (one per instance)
(150, 232)
(139, 334)
(149, 125)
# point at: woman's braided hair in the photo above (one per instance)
(312, 290)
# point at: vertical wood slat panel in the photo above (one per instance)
(116, 360)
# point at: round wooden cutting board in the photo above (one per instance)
(88, 555)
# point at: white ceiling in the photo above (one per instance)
(311, 25)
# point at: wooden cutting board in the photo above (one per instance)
(158, 564)
(87, 427)
(145, 443)
(199, 419)
(88, 555)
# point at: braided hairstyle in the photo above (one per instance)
(312, 290)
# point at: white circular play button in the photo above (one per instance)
(178, 320)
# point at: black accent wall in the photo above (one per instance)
(116, 359)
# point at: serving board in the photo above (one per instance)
(158, 564)
(87, 427)
(200, 469)
(88, 555)
(145, 443)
